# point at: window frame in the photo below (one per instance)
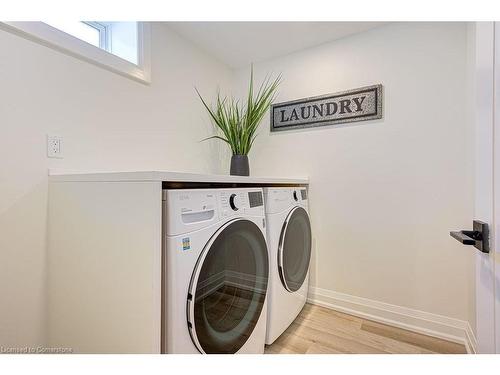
(104, 34)
(52, 37)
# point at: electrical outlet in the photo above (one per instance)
(54, 147)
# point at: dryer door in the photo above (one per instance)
(228, 288)
(294, 251)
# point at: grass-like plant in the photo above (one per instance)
(238, 123)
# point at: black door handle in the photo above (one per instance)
(478, 237)
(464, 237)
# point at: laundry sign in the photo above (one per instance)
(348, 106)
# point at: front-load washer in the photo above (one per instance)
(289, 241)
(215, 271)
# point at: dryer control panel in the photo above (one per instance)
(281, 199)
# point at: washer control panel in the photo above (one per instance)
(255, 198)
(239, 201)
(191, 209)
(234, 202)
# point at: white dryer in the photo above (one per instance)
(289, 240)
(215, 275)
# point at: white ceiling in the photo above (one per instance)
(239, 43)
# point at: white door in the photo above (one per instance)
(487, 182)
(496, 250)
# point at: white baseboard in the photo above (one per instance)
(440, 326)
(470, 340)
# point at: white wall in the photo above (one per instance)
(386, 193)
(107, 122)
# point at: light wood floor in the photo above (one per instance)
(318, 330)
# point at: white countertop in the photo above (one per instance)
(169, 176)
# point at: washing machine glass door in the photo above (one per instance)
(294, 251)
(228, 288)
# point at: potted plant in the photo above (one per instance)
(237, 123)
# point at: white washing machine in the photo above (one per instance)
(289, 240)
(215, 274)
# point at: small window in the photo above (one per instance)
(119, 46)
(117, 38)
(85, 31)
